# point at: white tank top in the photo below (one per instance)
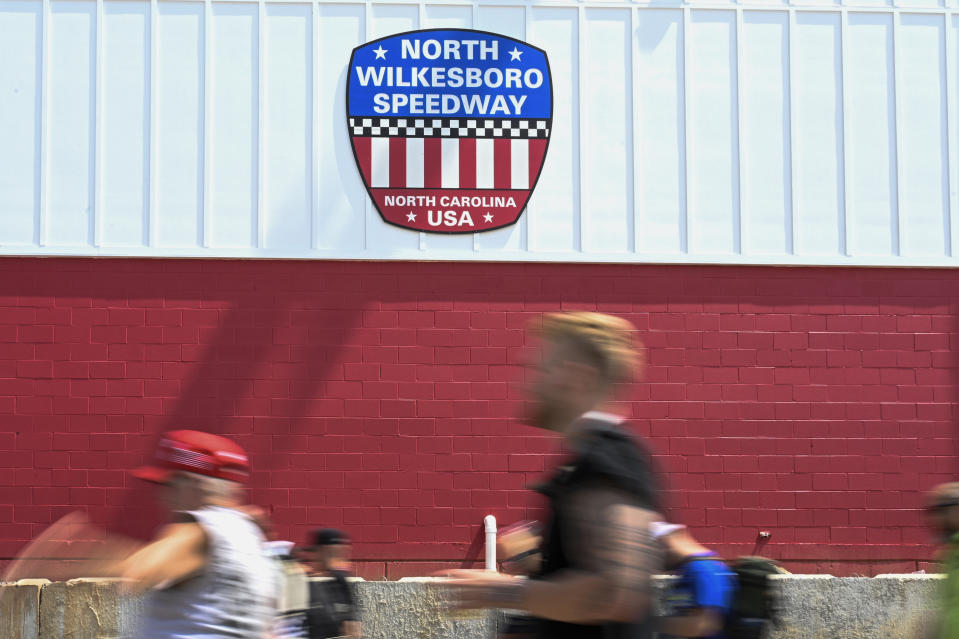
(234, 595)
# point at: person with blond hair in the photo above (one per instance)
(598, 555)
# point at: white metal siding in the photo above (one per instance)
(758, 132)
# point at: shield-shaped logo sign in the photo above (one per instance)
(449, 127)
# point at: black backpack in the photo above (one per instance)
(755, 605)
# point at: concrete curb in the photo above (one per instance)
(814, 607)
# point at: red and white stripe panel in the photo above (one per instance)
(449, 163)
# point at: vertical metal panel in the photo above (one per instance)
(179, 150)
(206, 77)
(897, 124)
(633, 96)
(513, 22)
(342, 198)
(870, 120)
(817, 118)
(43, 213)
(739, 224)
(660, 139)
(233, 165)
(713, 163)
(765, 134)
(447, 17)
(154, 128)
(793, 134)
(923, 183)
(288, 116)
(315, 128)
(97, 231)
(607, 168)
(582, 128)
(125, 120)
(687, 116)
(21, 35)
(71, 122)
(952, 100)
(261, 141)
(558, 191)
(846, 230)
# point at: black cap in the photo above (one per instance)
(328, 537)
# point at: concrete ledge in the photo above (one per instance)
(413, 609)
(20, 609)
(814, 607)
(889, 606)
(86, 609)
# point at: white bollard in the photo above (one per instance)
(490, 522)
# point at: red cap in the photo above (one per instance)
(196, 452)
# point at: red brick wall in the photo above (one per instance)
(816, 404)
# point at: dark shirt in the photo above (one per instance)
(606, 455)
(331, 604)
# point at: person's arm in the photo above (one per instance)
(711, 585)
(613, 556)
(698, 622)
(353, 629)
(177, 553)
(519, 545)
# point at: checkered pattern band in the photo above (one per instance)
(448, 128)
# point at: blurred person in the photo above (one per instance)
(598, 553)
(944, 513)
(293, 591)
(205, 574)
(332, 609)
(700, 601)
(519, 546)
(290, 576)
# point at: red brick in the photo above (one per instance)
(865, 414)
(35, 334)
(914, 324)
(127, 316)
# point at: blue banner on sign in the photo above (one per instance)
(449, 73)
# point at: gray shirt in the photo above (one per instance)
(234, 595)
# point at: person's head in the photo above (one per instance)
(330, 549)
(943, 504)
(583, 356)
(196, 469)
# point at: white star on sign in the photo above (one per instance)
(381, 52)
(515, 54)
(411, 216)
(488, 218)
